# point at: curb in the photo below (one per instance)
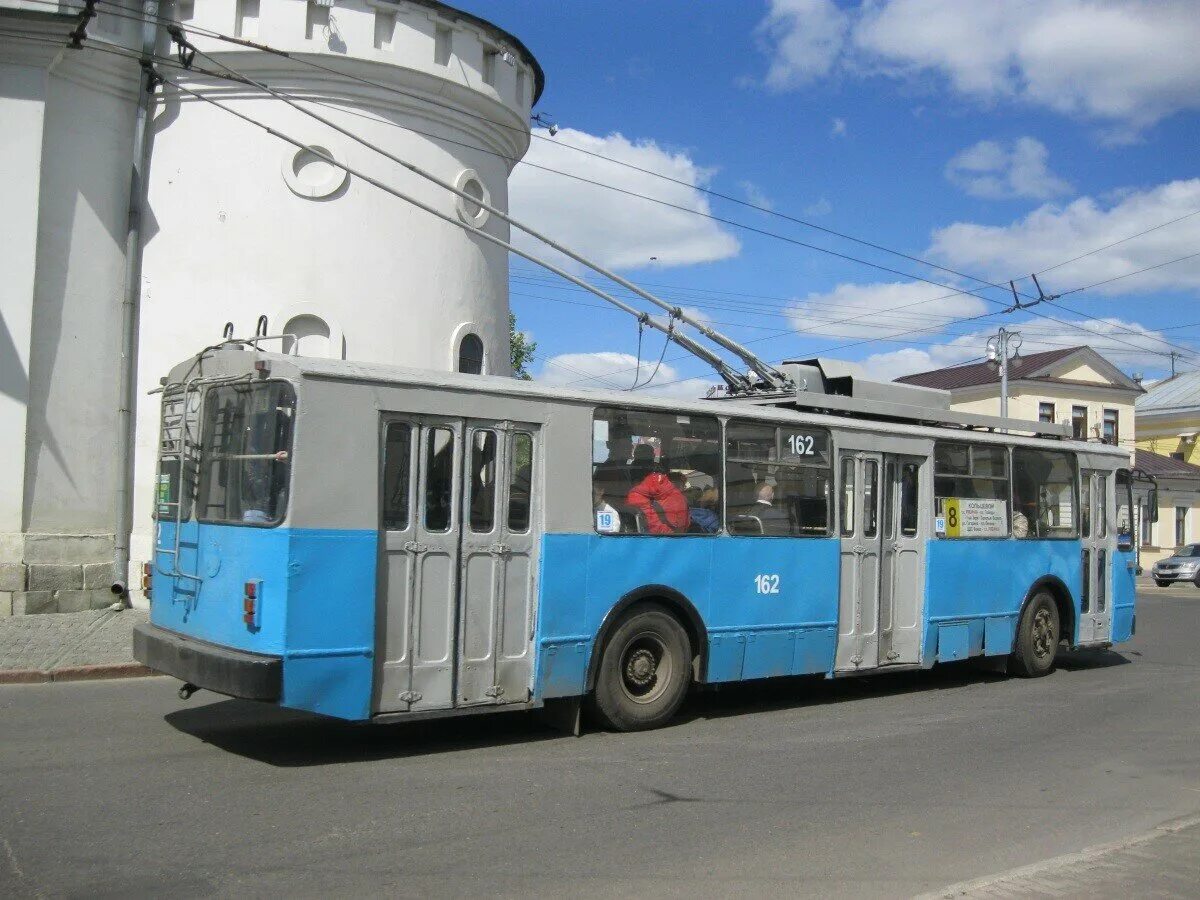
(76, 673)
(1087, 855)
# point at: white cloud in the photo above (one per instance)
(1110, 337)
(879, 310)
(1123, 62)
(754, 194)
(610, 369)
(821, 208)
(617, 230)
(1054, 233)
(801, 55)
(990, 170)
(838, 128)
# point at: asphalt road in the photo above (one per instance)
(883, 786)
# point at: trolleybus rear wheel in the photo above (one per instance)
(644, 671)
(1038, 633)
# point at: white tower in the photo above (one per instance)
(238, 224)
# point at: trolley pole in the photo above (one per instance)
(998, 351)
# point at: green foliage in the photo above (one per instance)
(521, 350)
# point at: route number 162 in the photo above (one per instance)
(766, 584)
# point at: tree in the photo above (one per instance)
(521, 350)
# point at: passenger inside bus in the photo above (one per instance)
(661, 503)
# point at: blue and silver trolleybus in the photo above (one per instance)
(376, 543)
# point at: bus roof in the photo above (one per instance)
(230, 359)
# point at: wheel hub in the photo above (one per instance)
(640, 668)
(1043, 633)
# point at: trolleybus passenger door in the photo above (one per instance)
(1099, 542)
(498, 550)
(418, 591)
(859, 476)
(901, 586)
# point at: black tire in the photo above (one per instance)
(1038, 633)
(644, 672)
(1162, 583)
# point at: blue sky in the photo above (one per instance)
(995, 139)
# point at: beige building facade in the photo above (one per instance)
(1168, 442)
(1074, 386)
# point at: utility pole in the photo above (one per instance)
(1175, 354)
(998, 348)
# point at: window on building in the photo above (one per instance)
(246, 455)
(655, 473)
(307, 335)
(778, 479)
(1045, 412)
(1043, 493)
(470, 354)
(1111, 431)
(1146, 522)
(1079, 423)
(1181, 526)
(971, 490)
(490, 57)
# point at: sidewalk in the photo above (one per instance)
(69, 646)
(1163, 862)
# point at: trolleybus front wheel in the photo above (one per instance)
(1038, 634)
(644, 671)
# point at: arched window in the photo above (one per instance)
(310, 336)
(470, 354)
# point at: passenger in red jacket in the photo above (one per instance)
(661, 503)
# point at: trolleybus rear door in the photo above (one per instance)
(1099, 542)
(418, 592)
(859, 475)
(903, 561)
(498, 551)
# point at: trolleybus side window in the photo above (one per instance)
(397, 476)
(847, 496)
(439, 479)
(245, 458)
(520, 481)
(909, 486)
(777, 479)
(655, 473)
(483, 480)
(971, 490)
(1043, 493)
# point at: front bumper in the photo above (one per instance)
(236, 673)
(1175, 575)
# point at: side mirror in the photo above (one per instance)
(1125, 541)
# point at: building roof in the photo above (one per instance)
(504, 37)
(1177, 394)
(1030, 367)
(1159, 466)
(986, 373)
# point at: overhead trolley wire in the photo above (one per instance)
(266, 48)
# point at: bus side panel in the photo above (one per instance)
(769, 605)
(981, 584)
(224, 557)
(328, 666)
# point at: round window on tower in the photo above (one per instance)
(470, 208)
(309, 172)
(470, 354)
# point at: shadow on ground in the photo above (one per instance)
(286, 738)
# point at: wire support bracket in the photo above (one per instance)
(79, 34)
